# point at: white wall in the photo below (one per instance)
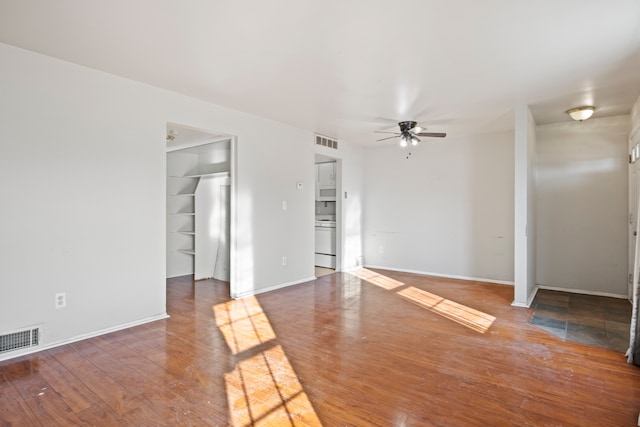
(212, 229)
(82, 174)
(634, 134)
(525, 221)
(532, 205)
(582, 205)
(82, 178)
(633, 196)
(447, 209)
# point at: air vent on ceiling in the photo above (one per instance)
(21, 339)
(326, 142)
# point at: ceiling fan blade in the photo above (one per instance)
(391, 137)
(381, 131)
(432, 134)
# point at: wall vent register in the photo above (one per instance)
(326, 142)
(18, 340)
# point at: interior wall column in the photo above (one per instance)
(525, 209)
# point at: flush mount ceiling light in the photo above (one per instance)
(581, 113)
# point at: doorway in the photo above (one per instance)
(328, 215)
(199, 204)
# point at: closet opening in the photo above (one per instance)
(199, 204)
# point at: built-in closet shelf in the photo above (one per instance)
(182, 213)
(182, 195)
(187, 251)
(192, 233)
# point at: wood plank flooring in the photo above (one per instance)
(367, 348)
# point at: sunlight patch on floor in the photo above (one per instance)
(243, 324)
(377, 279)
(459, 313)
(262, 389)
(466, 316)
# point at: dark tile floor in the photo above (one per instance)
(586, 319)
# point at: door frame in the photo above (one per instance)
(216, 137)
(339, 205)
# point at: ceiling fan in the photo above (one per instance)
(409, 134)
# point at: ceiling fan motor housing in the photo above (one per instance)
(406, 126)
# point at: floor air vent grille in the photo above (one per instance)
(18, 340)
(326, 142)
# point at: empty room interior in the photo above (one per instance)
(352, 213)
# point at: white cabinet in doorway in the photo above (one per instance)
(326, 182)
(326, 174)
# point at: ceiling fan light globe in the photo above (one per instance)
(414, 141)
(403, 142)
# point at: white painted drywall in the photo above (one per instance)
(446, 209)
(82, 176)
(532, 208)
(634, 133)
(582, 205)
(525, 221)
(222, 267)
(634, 188)
(211, 228)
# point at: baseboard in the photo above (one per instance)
(77, 338)
(271, 288)
(583, 292)
(448, 276)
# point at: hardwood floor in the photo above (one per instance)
(367, 348)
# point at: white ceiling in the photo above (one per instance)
(346, 68)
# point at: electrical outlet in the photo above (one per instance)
(284, 260)
(381, 249)
(61, 300)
